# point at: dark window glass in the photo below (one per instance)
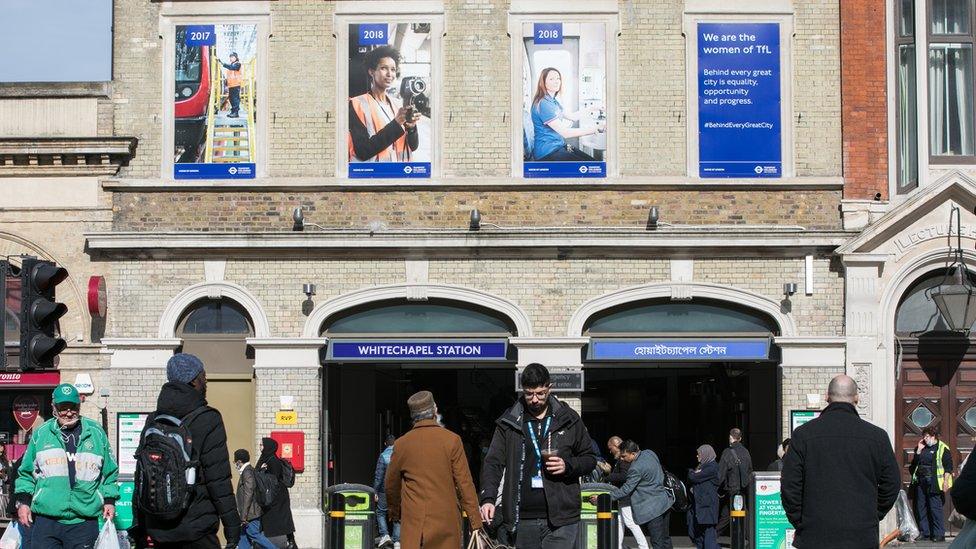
(217, 317)
(419, 318)
(917, 312)
(695, 317)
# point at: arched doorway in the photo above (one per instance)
(216, 330)
(673, 375)
(381, 352)
(936, 376)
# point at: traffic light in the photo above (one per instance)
(39, 313)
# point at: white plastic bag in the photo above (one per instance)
(108, 538)
(906, 520)
(11, 536)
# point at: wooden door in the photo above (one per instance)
(937, 387)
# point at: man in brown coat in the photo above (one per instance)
(427, 477)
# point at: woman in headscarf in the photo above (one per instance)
(277, 519)
(703, 514)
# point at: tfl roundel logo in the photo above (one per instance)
(408, 169)
(758, 169)
(232, 170)
(583, 169)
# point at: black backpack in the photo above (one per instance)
(287, 473)
(736, 481)
(167, 465)
(676, 489)
(266, 487)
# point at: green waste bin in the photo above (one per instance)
(587, 531)
(360, 508)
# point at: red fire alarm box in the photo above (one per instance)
(291, 446)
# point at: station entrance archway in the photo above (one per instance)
(675, 375)
(379, 354)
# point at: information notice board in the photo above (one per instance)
(128, 429)
(771, 529)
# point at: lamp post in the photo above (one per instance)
(955, 296)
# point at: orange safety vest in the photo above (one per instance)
(376, 121)
(233, 79)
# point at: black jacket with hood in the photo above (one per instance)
(502, 470)
(277, 519)
(213, 499)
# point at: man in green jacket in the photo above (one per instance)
(67, 478)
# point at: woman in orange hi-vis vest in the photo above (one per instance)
(233, 79)
(381, 129)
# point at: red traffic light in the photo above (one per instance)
(46, 275)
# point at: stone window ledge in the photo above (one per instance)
(476, 183)
(61, 156)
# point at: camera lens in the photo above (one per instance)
(418, 86)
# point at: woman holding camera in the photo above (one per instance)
(380, 128)
(549, 122)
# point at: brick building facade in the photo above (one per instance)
(551, 255)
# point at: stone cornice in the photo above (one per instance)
(64, 156)
(623, 183)
(565, 242)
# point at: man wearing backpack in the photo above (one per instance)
(208, 482)
(734, 474)
(248, 505)
(67, 477)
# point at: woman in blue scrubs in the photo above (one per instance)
(551, 132)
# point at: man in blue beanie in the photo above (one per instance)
(184, 396)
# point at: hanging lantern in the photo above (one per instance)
(955, 296)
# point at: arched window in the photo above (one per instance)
(216, 317)
(696, 317)
(419, 318)
(917, 313)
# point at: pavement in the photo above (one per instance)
(683, 542)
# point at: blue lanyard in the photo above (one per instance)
(535, 441)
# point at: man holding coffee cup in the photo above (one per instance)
(538, 454)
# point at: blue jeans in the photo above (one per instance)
(51, 534)
(253, 536)
(928, 507)
(381, 524)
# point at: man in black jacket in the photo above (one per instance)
(840, 477)
(213, 499)
(734, 474)
(538, 454)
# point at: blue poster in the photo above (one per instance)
(392, 170)
(202, 170)
(373, 34)
(564, 169)
(547, 33)
(201, 35)
(666, 350)
(739, 100)
(422, 350)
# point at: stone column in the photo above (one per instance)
(290, 367)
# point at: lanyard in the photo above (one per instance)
(535, 440)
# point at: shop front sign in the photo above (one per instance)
(666, 350)
(34, 379)
(418, 350)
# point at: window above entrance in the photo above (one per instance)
(431, 317)
(216, 317)
(691, 317)
(917, 313)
